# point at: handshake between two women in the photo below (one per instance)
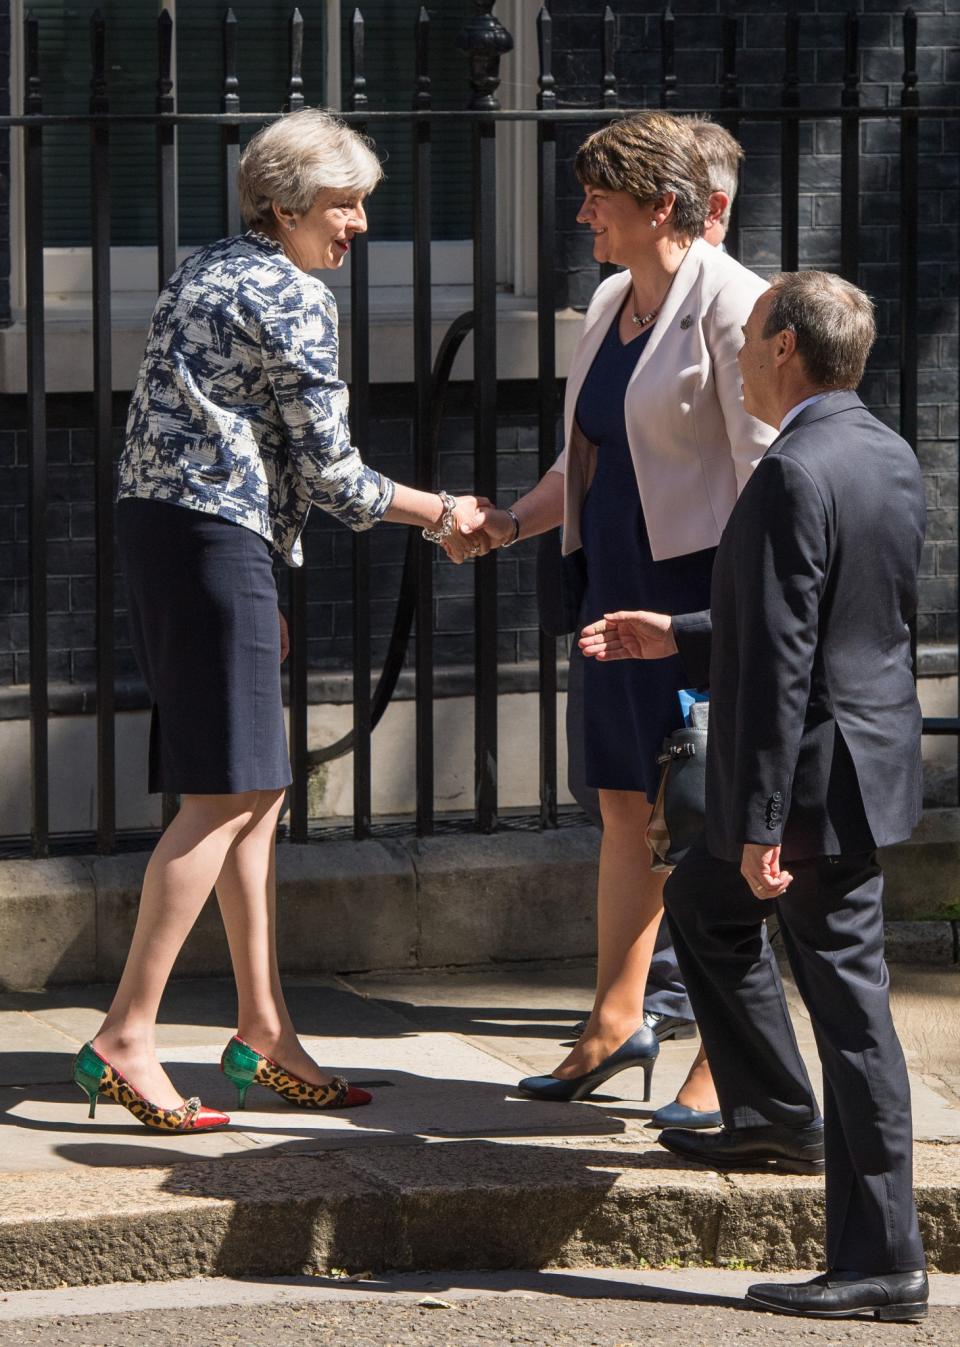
(482, 527)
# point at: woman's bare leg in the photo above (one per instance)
(629, 907)
(698, 1091)
(247, 893)
(179, 878)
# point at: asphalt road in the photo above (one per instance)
(478, 1322)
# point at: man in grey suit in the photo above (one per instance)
(813, 763)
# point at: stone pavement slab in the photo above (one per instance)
(448, 1167)
(565, 1308)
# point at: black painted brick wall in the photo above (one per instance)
(760, 66)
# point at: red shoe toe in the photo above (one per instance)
(355, 1096)
(208, 1118)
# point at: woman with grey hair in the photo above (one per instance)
(237, 425)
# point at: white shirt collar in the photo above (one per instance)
(795, 411)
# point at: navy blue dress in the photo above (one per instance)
(629, 705)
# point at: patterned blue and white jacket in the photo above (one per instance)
(238, 409)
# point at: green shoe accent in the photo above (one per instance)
(239, 1064)
(88, 1072)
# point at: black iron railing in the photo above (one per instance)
(485, 41)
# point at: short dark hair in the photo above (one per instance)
(647, 155)
(833, 322)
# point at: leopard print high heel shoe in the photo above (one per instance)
(96, 1077)
(245, 1067)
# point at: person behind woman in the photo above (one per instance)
(238, 424)
(657, 446)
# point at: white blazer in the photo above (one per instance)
(693, 445)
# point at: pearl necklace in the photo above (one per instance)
(641, 320)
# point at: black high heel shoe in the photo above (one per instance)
(640, 1049)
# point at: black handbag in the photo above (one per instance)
(677, 819)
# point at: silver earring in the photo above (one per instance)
(291, 224)
(653, 224)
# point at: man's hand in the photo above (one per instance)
(629, 636)
(284, 636)
(760, 867)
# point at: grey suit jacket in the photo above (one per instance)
(814, 719)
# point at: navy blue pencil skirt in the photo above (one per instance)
(202, 613)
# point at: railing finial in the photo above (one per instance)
(730, 95)
(546, 84)
(485, 40)
(230, 102)
(358, 78)
(295, 82)
(609, 58)
(668, 59)
(32, 96)
(910, 94)
(421, 38)
(99, 102)
(165, 61)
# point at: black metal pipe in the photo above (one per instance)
(790, 146)
(850, 154)
(423, 466)
(668, 61)
(166, 154)
(547, 390)
(230, 134)
(730, 116)
(485, 469)
(909, 233)
(360, 429)
(297, 690)
(103, 441)
(36, 448)
(573, 115)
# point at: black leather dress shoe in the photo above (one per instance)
(841, 1295)
(669, 1026)
(664, 1026)
(790, 1150)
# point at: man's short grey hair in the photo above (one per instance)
(723, 154)
(833, 322)
(292, 160)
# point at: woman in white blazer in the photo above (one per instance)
(657, 447)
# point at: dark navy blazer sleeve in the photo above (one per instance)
(693, 633)
(782, 543)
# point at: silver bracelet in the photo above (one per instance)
(516, 530)
(445, 527)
